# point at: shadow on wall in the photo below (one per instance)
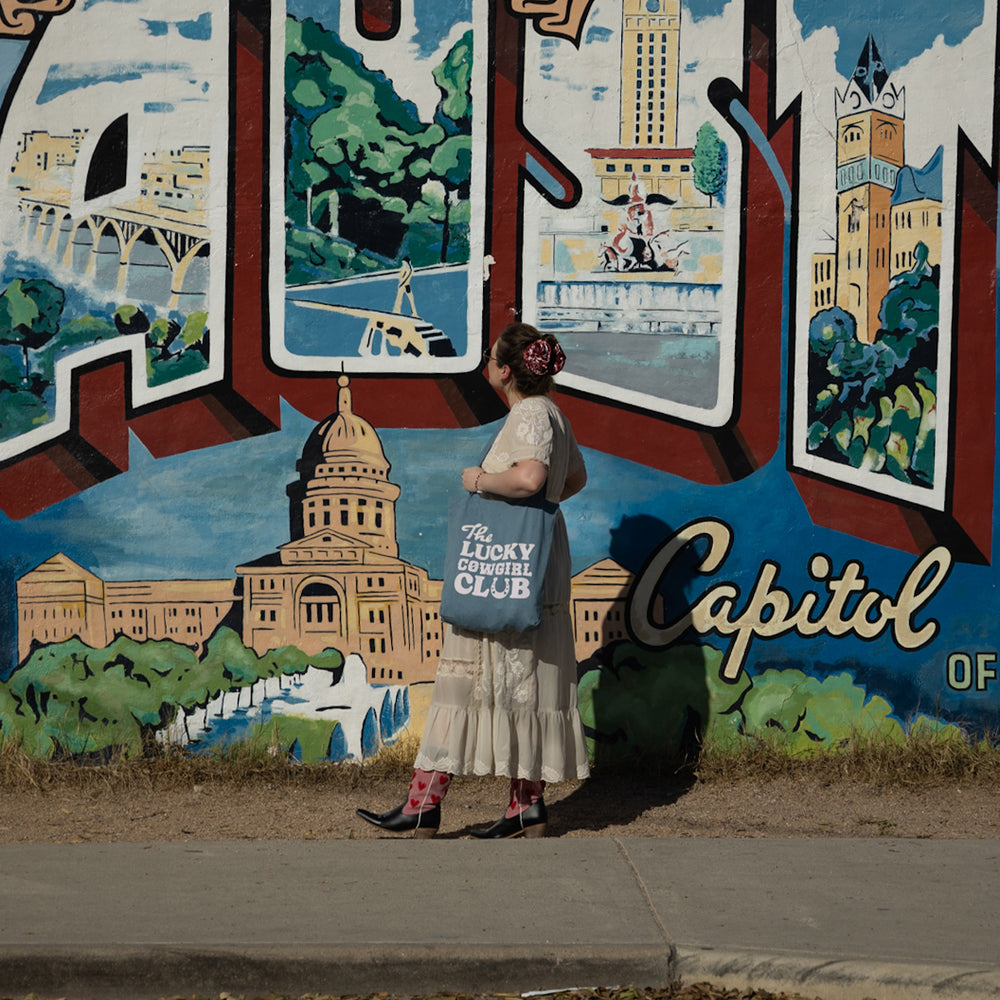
(644, 711)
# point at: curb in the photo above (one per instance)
(149, 973)
(837, 978)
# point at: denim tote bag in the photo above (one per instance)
(495, 561)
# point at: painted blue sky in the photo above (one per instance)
(327, 12)
(902, 28)
(434, 18)
(434, 21)
(11, 52)
(699, 9)
(77, 73)
(63, 80)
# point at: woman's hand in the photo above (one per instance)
(470, 478)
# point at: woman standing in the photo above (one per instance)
(505, 702)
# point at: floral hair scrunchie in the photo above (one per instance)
(541, 358)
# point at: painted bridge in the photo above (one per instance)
(408, 334)
(155, 259)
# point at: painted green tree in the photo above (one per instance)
(366, 180)
(69, 699)
(663, 704)
(874, 406)
(451, 164)
(709, 165)
(30, 309)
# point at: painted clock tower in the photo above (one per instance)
(651, 33)
(870, 125)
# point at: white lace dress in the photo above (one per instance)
(505, 702)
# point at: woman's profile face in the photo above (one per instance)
(493, 370)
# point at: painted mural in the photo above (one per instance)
(764, 232)
(377, 189)
(630, 269)
(877, 235)
(109, 211)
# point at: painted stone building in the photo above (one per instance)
(60, 599)
(663, 172)
(597, 602)
(649, 95)
(44, 163)
(650, 67)
(884, 207)
(339, 580)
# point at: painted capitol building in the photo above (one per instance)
(338, 582)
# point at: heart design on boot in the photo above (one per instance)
(421, 785)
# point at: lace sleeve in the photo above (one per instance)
(527, 433)
(531, 432)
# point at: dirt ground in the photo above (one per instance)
(637, 805)
(603, 806)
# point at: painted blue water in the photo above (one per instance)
(659, 338)
(228, 729)
(82, 299)
(337, 749)
(370, 735)
(441, 295)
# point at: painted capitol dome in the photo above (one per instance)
(343, 433)
(343, 481)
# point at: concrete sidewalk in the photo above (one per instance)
(828, 918)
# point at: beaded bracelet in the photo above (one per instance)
(475, 485)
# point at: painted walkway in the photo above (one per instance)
(828, 918)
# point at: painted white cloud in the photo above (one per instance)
(949, 86)
(710, 48)
(808, 68)
(168, 71)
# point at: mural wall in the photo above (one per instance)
(252, 254)
(109, 208)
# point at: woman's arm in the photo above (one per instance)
(523, 479)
